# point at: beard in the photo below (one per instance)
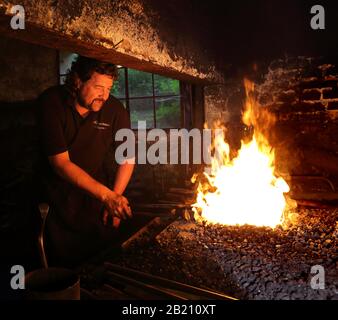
(94, 105)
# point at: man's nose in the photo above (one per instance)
(101, 93)
(106, 94)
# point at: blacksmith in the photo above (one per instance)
(78, 121)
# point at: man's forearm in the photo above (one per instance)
(123, 176)
(77, 176)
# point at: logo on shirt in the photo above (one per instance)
(101, 125)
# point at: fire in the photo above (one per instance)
(243, 190)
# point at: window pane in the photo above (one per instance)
(65, 63)
(141, 110)
(166, 86)
(66, 59)
(140, 83)
(168, 112)
(63, 79)
(119, 88)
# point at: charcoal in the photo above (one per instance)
(247, 262)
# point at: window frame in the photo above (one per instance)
(128, 98)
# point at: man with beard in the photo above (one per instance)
(78, 121)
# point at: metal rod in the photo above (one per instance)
(170, 284)
(320, 178)
(158, 292)
(44, 209)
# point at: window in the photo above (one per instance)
(65, 63)
(149, 97)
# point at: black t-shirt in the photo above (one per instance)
(74, 225)
(86, 139)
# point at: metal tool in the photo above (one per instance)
(161, 287)
(44, 209)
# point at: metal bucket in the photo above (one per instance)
(52, 284)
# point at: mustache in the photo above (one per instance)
(98, 100)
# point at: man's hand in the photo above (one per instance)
(116, 205)
(115, 221)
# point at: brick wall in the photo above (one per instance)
(303, 94)
(300, 85)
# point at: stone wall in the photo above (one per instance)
(152, 36)
(26, 70)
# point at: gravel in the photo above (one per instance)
(245, 261)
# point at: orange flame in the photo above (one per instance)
(243, 190)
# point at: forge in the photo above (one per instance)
(251, 214)
(233, 262)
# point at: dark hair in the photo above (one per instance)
(84, 67)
